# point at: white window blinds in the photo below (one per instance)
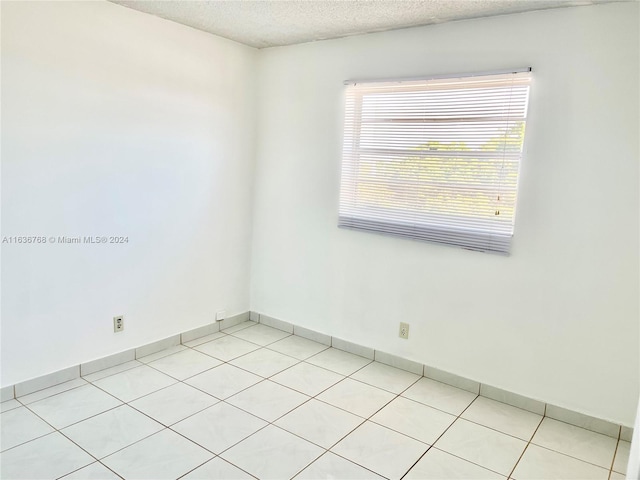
(435, 160)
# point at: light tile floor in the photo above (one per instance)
(253, 401)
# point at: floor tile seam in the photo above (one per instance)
(378, 473)
(141, 359)
(318, 400)
(343, 409)
(525, 449)
(389, 391)
(471, 462)
(179, 381)
(117, 373)
(297, 407)
(81, 448)
(440, 436)
(308, 464)
(260, 345)
(356, 463)
(323, 368)
(12, 409)
(416, 462)
(28, 441)
(504, 403)
(284, 386)
(100, 459)
(188, 416)
(110, 469)
(397, 395)
(241, 440)
(223, 362)
(192, 414)
(434, 407)
(52, 395)
(207, 408)
(270, 376)
(398, 431)
(324, 449)
(430, 406)
(374, 386)
(222, 459)
(312, 396)
(91, 416)
(74, 423)
(583, 428)
(393, 430)
(112, 374)
(460, 416)
(283, 370)
(519, 458)
(264, 419)
(366, 418)
(569, 456)
(255, 324)
(196, 443)
(615, 452)
(273, 423)
(170, 427)
(616, 471)
(320, 366)
(217, 358)
(457, 418)
(165, 388)
(220, 359)
(499, 431)
(198, 338)
(39, 436)
(147, 437)
(297, 358)
(190, 376)
(383, 426)
(85, 466)
(112, 395)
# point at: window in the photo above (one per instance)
(435, 160)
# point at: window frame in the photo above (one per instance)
(464, 231)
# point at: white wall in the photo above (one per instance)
(115, 122)
(558, 319)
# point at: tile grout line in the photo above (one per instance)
(258, 322)
(307, 401)
(286, 413)
(298, 361)
(269, 423)
(525, 448)
(615, 453)
(397, 395)
(56, 430)
(442, 434)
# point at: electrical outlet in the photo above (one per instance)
(404, 330)
(118, 323)
(221, 315)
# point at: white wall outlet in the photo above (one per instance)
(221, 315)
(118, 323)
(404, 330)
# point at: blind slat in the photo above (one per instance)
(435, 160)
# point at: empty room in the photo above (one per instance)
(321, 239)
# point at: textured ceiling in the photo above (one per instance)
(268, 23)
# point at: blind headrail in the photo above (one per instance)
(436, 77)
